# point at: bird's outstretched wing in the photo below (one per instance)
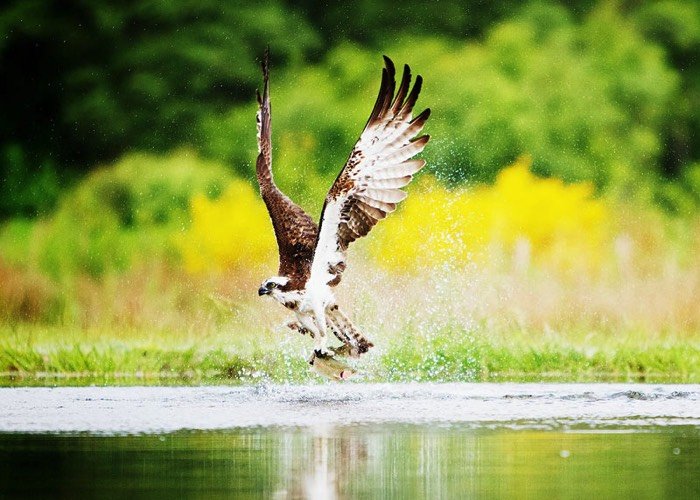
(295, 231)
(369, 185)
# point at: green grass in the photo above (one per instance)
(34, 355)
(479, 358)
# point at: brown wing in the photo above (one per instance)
(368, 187)
(295, 231)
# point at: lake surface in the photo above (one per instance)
(353, 441)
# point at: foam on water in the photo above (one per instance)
(165, 409)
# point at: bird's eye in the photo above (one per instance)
(272, 285)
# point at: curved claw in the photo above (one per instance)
(297, 327)
(318, 353)
(323, 353)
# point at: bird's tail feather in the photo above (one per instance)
(355, 343)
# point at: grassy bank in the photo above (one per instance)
(32, 356)
(526, 279)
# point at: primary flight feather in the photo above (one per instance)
(367, 189)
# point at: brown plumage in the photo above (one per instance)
(379, 165)
(295, 231)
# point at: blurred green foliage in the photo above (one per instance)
(26, 190)
(87, 81)
(590, 100)
(607, 91)
(129, 211)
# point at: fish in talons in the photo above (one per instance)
(328, 366)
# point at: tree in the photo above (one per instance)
(86, 81)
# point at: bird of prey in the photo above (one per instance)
(367, 189)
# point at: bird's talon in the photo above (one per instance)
(297, 327)
(323, 353)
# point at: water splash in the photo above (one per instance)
(164, 409)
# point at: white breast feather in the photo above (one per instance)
(327, 253)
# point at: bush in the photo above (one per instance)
(26, 189)
(231, 233)
(125, 213)
(589, 100)
(520, 220)
(27, 296)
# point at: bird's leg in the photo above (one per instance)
(321, 341)
(298, 327)
(321, 345)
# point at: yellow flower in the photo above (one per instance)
(232, 232)
(518, 221)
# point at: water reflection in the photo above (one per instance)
(322, 464)
(370, 461)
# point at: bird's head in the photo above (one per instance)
(273, 285)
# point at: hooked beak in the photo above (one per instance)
(263, 291)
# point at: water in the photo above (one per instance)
(353, 441)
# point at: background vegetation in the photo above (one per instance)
(557, 219)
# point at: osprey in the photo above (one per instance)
(312, 257)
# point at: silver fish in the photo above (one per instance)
(330, 367)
